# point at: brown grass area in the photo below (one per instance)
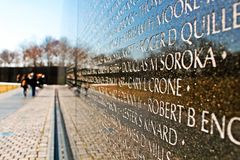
(6, 88)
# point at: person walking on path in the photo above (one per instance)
(33, 82)
(86, 87)
(77, 90)
(24, 84)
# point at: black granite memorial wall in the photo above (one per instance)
(166, 77)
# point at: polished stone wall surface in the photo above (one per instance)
(166, 75)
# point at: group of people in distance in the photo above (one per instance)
(85, 85)
(32, 79)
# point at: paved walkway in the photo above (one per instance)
(10, 102)
(25, 125)
(84, 126)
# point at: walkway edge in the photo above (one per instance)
(51, 145)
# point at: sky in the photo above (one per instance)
(23, 21)
(75, 15)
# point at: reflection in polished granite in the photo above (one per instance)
(164, 80)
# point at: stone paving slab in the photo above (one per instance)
(84, 124)
(25, 134)
(10, 102)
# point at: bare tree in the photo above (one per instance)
(80, 57)
(7, 56)
(51, 52)
(33, 53)
(47, 47)
(65, 51)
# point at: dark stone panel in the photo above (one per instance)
(167, 72)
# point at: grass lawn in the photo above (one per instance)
(6, 88)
